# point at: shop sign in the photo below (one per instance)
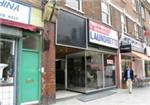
(14, 11)
(148, 51)
(136, 45)
(99, 34)
(110, 61)
(125, 48)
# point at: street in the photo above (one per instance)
(140, 96)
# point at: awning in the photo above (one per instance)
(140, 55)
(18, 25)
(137, 55)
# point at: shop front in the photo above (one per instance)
(84, 64)
(132, 54)
(147, 63)
(90, 70)
(20, 52)
(94, 69)
(70, 41)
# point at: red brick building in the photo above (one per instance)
(106, 27)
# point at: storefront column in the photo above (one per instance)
(48, 63)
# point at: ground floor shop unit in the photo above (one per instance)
(20, 60)
(137, 61)
(84, 70)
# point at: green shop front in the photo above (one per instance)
(20, 58)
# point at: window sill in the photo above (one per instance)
(80, 11)
(110, 25)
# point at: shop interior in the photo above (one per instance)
(83, 71)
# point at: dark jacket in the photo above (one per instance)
(131, 75)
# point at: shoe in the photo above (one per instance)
(130, 92)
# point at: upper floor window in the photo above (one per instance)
(105, 13)
(136, 32)
(142, 12)
(75, 4)
(123, 23)
(149, 16)
(135, 4)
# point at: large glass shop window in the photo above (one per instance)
(109, 70)
(147, 68)
(7, 53)
(76, 71)
(94, 70)
(90, 70)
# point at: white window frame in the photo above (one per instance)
(78, 6)
(123, 24)
(107, 13)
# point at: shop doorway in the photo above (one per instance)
(29, 75)
(8, 52)
(60, 74)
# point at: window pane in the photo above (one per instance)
(31, 43)
(73, 3)
(104, 8)
(142, 12)
(109, 70)
(104, 18)
(7, 60)
(76, 71)
(147, 69)
(94, 70)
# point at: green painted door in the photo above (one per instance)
(29, 81)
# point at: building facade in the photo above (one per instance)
(20, 52)
(86, 46)
(91, 43)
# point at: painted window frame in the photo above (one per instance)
(77, 7)
(123, 23)
(107, 19)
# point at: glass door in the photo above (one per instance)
(109, 70)
(7, 70)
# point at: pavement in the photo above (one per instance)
(139, 96)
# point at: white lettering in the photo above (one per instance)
(10, 5)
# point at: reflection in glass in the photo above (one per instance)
(109, 70)
(89, 70)
(31, 43)
(76, 71)
(6, 60)
(94, 72)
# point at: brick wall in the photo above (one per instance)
(116, 20)
(130, 27)
(48, 62)
(92, 9)
(36, 3)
